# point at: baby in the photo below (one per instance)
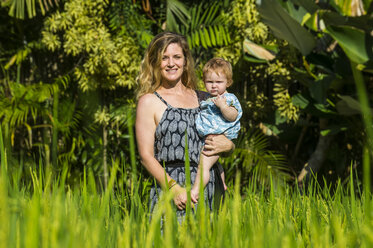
(219, 114)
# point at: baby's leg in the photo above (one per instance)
(205, 162)
(223, 179)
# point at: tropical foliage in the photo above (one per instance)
(336, 44)
(69, 74)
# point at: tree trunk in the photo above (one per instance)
(317, 158)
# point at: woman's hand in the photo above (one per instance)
(180, 197)
(216, 144)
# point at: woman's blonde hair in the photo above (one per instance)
(219, 65)
(150, 78)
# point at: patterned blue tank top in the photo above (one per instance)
(169, 145)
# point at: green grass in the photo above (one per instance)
(50, 215)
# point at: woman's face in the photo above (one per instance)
(172, 64)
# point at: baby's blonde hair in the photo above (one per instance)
(150, 78)
(219, 65)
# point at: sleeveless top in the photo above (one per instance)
(169, 144)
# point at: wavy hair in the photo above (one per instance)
(219, 65)
(150, 79)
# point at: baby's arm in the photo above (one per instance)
(230, 113)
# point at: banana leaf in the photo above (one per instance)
(352, 41)
(310, 6)
(300, 101)
(284, 26)
(318, 89)
(333, 130)
(348, 106)
(257, 50)
(295, 11)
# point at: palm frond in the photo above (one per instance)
(22, 53)
(176, 10)
(253, 157)
(62, 81)
(23, 101)
(202, 24)
(69, 117)
(18, 8)
(206, 26)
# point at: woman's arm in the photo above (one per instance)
(145, 130)
(218, 144)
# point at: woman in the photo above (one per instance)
(167, 106)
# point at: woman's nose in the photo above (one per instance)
(170, 62)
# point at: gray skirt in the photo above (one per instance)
(177, 172)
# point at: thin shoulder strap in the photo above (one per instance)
(163, 100)
(198, 96)
(202, 96)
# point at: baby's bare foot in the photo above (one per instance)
(225, 186)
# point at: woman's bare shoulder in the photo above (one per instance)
(147, 99)
(150, 104)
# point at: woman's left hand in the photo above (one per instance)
(216, 144)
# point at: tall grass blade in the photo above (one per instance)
(236, 214)
(4, 210)
(110, 186)
(55, 127)
(366, 113)
(4, 164)
(366, 182)
(170, 224)
(201, 200)
(132, 145)
(187, 177)
(352, 192)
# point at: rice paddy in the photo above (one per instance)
(47, 213)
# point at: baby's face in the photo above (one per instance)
(216, 83)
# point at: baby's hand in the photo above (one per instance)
(220, 101)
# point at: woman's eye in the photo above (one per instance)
(164, 58)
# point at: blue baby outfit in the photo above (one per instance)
(211, 121)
